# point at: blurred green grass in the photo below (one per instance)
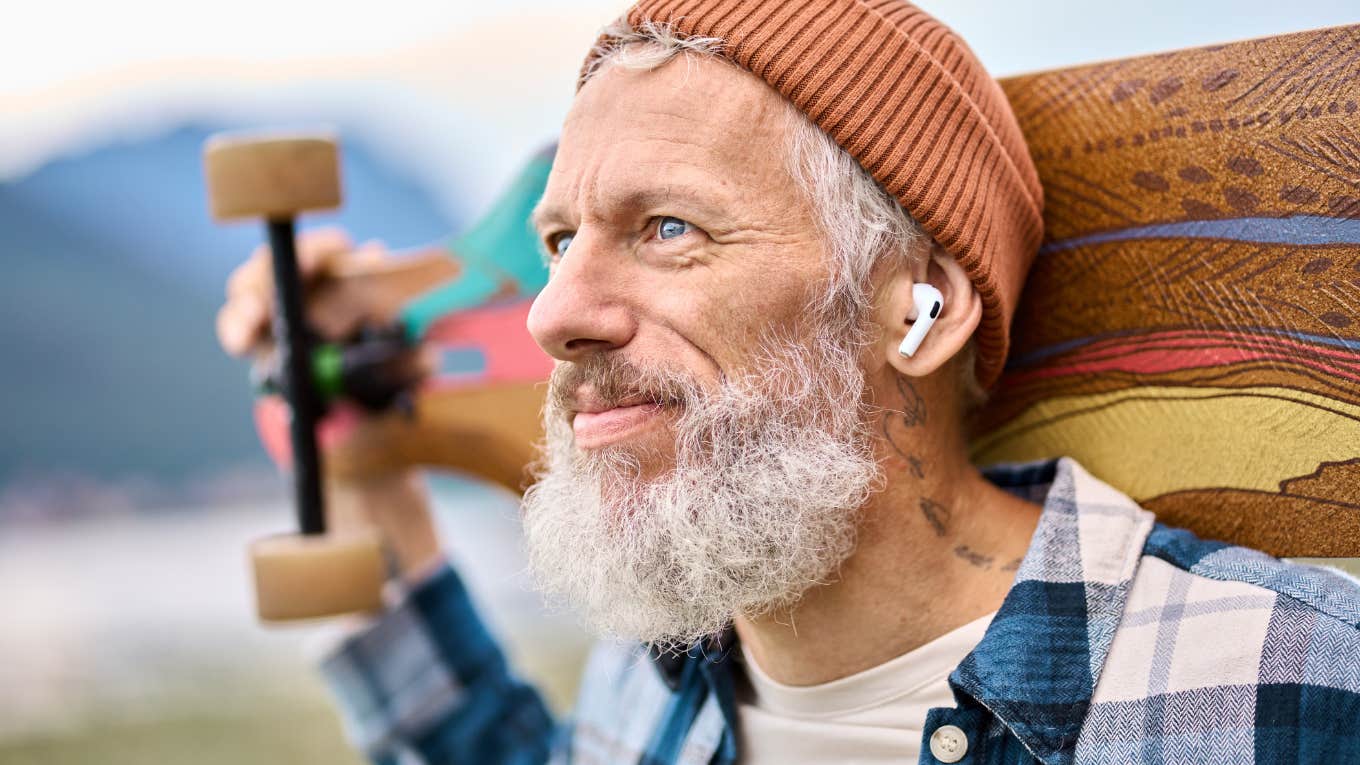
(267, 712)
(270, 734)
(283, 716)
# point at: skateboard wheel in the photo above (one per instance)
(307, 576)
(264, 176)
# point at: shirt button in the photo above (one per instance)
(949, 743)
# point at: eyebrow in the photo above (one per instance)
(693, 197)
(544, 213)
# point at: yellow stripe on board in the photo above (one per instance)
(1149, 441)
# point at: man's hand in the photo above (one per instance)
(324, 254)
(344, 287)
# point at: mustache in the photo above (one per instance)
(614, 380)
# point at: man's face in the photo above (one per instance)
(706, 449)
(687, 238)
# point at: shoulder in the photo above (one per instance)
(1222, 648)
(1286, 623)
(1260, 619)
(1326, 591)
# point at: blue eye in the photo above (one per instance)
(670, 228)
(561, 243)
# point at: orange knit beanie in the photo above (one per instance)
(908, 99)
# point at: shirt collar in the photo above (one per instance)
(713, 651)
(1037, 665)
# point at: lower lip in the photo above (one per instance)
(596, 429)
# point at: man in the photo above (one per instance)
(756, 486)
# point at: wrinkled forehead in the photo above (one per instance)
(692, 110)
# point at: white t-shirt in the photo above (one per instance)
(874, 716)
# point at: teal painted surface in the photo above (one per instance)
(499, 250)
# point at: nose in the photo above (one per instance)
(581, 310)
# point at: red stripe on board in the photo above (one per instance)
(499, 332)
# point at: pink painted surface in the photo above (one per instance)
(499, 332)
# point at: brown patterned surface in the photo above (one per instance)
(1191, 328)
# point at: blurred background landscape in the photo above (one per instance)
(130, 475)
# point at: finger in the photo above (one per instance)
(318, 250)
(370, 253)
(338, 264)
(336, 312)
(252, 276)
(241, 323)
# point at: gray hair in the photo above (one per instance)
(864, 228)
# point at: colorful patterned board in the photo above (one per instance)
(1191, 328)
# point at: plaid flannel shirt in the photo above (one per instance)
(1121, 641)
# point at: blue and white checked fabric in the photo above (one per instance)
(1121, 641)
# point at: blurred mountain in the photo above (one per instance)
(111, 274)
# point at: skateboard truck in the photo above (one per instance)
(313, 573)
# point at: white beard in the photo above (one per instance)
(760, 505)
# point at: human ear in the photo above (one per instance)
(907, 297)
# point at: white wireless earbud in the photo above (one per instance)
(928, 302)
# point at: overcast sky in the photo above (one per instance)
(46, 42)
(454, 89)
